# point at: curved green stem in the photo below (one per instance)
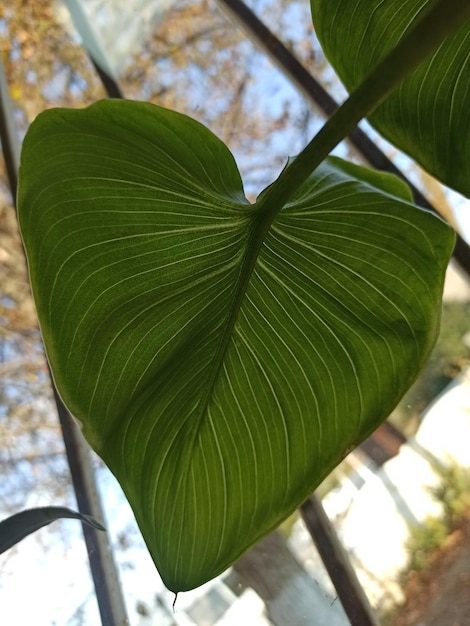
(440, 19)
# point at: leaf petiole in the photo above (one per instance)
(437, 22)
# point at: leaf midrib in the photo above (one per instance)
(259, 227)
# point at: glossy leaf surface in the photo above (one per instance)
(428, 115)
(222, 361)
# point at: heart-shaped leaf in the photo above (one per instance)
(221, 360)
(428, 115)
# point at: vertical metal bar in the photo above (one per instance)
(338, 566)
(315, 93)
(103, 568)
(8, 134)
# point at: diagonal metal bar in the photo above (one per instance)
(338, 566)
(94, 49)
(89, 36)
(315, 93)
(103, 568)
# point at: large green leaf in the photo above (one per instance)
(428, 115)
(220, 364)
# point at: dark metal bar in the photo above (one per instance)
(8, 134)
(103, 568)
(110, 85)
(94, 49)
(321, 99)
(338, 566)
(105, 576)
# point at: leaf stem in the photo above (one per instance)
(440, 19)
